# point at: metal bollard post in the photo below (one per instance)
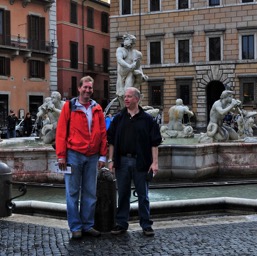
(5, 189)
(106, 201)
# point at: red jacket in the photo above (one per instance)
(73, 133)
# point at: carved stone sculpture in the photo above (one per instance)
(51, 108)
(176, 127)
(129, 71)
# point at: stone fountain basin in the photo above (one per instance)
(32, 161)
(199, 161)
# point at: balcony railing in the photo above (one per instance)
(22, 43)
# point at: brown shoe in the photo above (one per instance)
(76, 234)
(91, 232)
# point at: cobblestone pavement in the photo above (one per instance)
(212, 235)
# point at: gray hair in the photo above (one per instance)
(135, 91)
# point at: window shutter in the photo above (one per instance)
(7, 25)
(42, 37)
(8, 66)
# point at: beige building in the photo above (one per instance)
(192, 49)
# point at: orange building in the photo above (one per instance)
(83, 46)
(26, 52)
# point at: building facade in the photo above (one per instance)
(27, 49)
(83, 46)
(192, 49)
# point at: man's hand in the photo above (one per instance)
(111, 168)
(62, 164)
(101, 164)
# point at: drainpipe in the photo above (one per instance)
(140, 33)
(83, 40)
(140, 25)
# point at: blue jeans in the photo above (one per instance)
(81, 190)
(124, 175)
(11, 134)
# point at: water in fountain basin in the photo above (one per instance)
(57, 195)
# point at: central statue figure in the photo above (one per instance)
(129, 71)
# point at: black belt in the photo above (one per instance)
(129, 155)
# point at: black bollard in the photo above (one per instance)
(106, 201)
(5, 189)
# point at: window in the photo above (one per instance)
(36, 69)
(34, 103)
(155, 53)
(74, 55)
(183, 51)
(248, 93)
(154, 5)
(74, 86)
(247, 47)
(36, 30)
(105, 22)
(5, 66)
(5, 34)
(90, 57)
(125, 7)
(248, 90)
(156, 93)
(105, 60)
(183, 4)
(247, 1)
(214, 2)
(90, 17)
(184, 90)
(214, 49)
(73, 13)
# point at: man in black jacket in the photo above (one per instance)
(133, 139)
(11, 124)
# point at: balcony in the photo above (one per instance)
(94, 69)
(46, 3)
(21, 46)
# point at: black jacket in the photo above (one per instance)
(11, 122)
(147, 134)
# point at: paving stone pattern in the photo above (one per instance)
(230, 239)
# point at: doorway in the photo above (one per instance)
(213, 92)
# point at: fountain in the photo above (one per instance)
(219, 153)
(32, 158)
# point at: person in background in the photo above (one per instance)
(133, 138)
(108, 120)
(27, 125)
(12, 120)
(81, 142)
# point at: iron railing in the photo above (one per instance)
(22, 43)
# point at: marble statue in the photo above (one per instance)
(245, 123)
(176, 128)
(217, 130)
(151, 111)
(51, 108)
(129, 71)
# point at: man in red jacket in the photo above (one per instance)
(82, 144)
